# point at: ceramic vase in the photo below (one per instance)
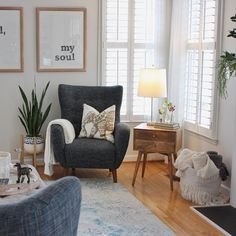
(33, 142)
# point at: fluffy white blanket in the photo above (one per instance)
(199, 161)
(69, 134)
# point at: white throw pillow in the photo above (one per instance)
(98, 125)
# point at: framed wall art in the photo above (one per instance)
(61, 39)
(11, 39)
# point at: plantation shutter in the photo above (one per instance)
(128, 46)
(200, 95)
(115, 46)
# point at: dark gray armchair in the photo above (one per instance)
(52, 211)
(86, 152)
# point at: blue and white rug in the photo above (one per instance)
(108, 209)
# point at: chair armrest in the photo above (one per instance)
(58, 143)
(121, 138)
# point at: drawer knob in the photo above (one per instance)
(154, 136)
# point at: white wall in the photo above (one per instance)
(227, 110)
(10, 127)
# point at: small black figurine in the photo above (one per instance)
(22, 171)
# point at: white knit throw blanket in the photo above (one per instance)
(69, 134)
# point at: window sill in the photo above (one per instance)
(202, 137)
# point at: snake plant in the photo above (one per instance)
(31, 115)
(226, 65)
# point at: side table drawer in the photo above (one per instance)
(154, 146)
(155, 135)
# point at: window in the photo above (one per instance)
(200, 94)
(128, 46)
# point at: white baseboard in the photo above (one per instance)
(151, 157)
(28, 160)
(128, 158)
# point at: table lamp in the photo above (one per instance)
(152, 83)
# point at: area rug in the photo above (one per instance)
(222, 217)
(109, 209)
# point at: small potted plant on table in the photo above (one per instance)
(32, 118)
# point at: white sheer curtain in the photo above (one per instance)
(162, 32)
(177, 58)
(162, 40)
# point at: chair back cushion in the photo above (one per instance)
(72, 98)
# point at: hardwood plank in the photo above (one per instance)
(154, 192)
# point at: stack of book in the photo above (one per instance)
(161, 125)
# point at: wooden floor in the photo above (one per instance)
(154, 192)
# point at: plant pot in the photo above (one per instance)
(33, 142)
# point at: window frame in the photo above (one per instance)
(131, 45)
(212, 132)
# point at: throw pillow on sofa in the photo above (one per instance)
(98, 125)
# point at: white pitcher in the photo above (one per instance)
(5, 160)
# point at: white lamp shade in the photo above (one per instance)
(152, 83)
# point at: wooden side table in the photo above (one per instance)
(148, 139)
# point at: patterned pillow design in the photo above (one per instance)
(98, 125)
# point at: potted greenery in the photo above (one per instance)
(32, 118)
(227, 65)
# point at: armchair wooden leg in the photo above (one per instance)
(66, 171)
(114, 174)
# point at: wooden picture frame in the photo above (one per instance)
(11, 39)
(61, 39)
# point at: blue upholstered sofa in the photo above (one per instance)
(52, 211)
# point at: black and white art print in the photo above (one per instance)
(11, 39)
(61, 39)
